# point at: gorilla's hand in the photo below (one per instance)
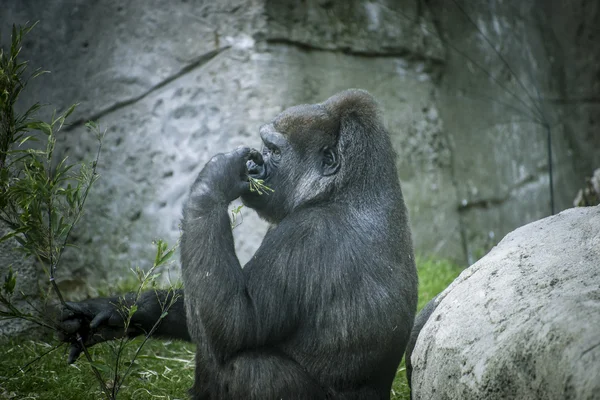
(94, 321)
(225, 176)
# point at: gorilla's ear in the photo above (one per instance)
(330, 162)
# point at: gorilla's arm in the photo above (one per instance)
(101, 319)
(212, 272)
(215, 283)
(150, 308)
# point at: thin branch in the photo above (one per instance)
(94, 369)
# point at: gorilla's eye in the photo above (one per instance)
(274, 153)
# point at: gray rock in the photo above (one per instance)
(521, 323)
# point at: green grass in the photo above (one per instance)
(163, 370)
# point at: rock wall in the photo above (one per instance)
(510, 73)
(176, 82)
(521, 323)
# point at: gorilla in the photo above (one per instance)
(325, 307)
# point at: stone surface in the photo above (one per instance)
(507, 74)
(212, 97)
(522, 322)
(176, 82)
(370, 28)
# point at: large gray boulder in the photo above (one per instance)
(523, 322)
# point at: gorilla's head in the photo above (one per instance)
(316, 153)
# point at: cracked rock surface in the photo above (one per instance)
(521, 323)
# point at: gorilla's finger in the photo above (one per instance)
(71, 325)
(75, 309)
(100, 318)
(242, 151)
(74, 353)
(69, 310)
(65, 315)
(116, 320)
(256, 156)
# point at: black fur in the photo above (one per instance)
(325, 307)
(420, 322)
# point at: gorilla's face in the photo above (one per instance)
(299, 161)
(274, 144)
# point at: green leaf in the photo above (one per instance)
(14, 234)
(28, 29)
(132, 310)
(26, 138)
(38, 73)
(40, 126)
(70, 110)
(32, 109)
(91, 125)
(21, 241)
(159, 251)
(10, 281)
(166, 256)
(61, 171)
(138, 273)
(15, 42)
(8, 236)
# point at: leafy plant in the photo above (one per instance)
(42, 198)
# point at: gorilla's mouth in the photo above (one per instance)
(256, 166)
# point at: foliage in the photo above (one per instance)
(258, 186)
(41, 200)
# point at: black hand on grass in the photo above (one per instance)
(94, 321)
